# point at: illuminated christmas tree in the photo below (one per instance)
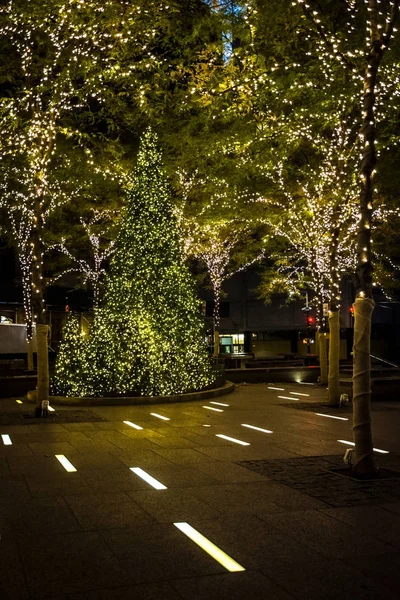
(147, 338)
(70, 368)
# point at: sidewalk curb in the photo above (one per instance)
(227, 388)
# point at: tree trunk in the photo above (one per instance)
(364, 463)
(29, 343)
(216, 316)
(42, 367)
(323, 359)
(39, 308)
(334, 354)
(321, 337)
(216, 342)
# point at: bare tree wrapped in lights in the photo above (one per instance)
(220, 242)
(316, 222)
(92, 268)
(147, 337)
(217, 246)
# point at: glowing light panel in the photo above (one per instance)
(332, 417)
(148, 478)
(211, 549)
(68, 466)
(298, 394)
(51, 409)
(374, 449)
(219, 403)
(19, 401)
(256, 428)
(132, 425)
(6, 439)
(288, 398)
(278, 389)
(212, 408)
(160, 417)
(226, 437)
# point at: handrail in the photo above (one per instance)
(385, 361)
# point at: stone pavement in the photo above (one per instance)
(276, 506)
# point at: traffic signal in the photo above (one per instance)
(351, 309)
(310, 320)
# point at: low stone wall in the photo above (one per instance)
(274, 375)
(17, 385)
(227, 388)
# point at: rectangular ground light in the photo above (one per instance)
(374, 449)
(230, 439)
(6, 439)
(160, 417)
(132, 425)
(256, 428)
(148, 478)
(331, 417)
(217, 554)
(68, 466)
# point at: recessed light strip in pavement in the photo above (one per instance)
(374, 449)
(68, 466)
(256, 428)
(278, 389)
(212, 408)
(160, 417)
(332, 417)
(288, 398)
(298, 394)
(304, 383)
(226, 437)
(132, 425)
(211, 549)
(6, 439)
(19, 401)
(148, 478)
(51, 409)
(219, 403)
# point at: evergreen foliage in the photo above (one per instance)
(147, 338)
(70, 368)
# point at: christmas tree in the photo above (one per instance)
(70, 368)
(147, 337)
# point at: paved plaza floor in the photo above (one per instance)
(293, 524)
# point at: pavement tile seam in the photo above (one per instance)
(213, 577)
(23, 567)
(379, 535)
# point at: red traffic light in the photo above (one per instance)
(351, 309)
(310, 320)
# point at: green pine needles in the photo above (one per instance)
(147, 338)
(71, 359)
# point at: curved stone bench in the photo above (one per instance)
(227, 388)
